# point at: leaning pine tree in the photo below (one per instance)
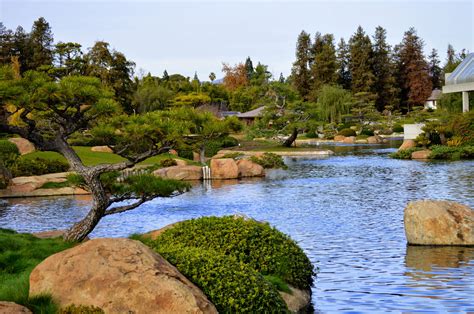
(51, 111)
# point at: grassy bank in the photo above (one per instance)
(19, 254)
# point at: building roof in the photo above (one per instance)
(435, 94)
(252, 113)
(464, 72)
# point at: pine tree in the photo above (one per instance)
(435, 69)
(282, 78)
(452, 61)
(249, 68)
(165, 76)
(300, 72)
(343, 73)
(414, 70)
(360, 49)
(384, 87)
(324, 65)
(40, 44)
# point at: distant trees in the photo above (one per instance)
(324, 63)
(300, 72)
(434, 69)
(361, 62)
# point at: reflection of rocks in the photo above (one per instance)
(217, 184)
(426, 257)
(429, 222)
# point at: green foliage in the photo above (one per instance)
(234, 124)
(404, 153)
(227, 256)
(191, 100)
(452, 153)
(235, 155)
(213, 146)
(37, 166)
(55, 185)
(81, 309)
(347, 132)
(333, 103)
(19, 254)
(398, 128)
(269, 161)
(168, 162)
(278, 283)
(367, 131)
(8, 153)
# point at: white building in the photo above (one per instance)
(432, 101)
(461, 80)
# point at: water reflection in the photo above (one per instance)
(427, 258)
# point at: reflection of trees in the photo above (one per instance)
(420, 260)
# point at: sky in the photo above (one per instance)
(198, 36)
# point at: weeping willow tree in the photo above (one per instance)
(333, 102)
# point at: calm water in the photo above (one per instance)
(346, 212)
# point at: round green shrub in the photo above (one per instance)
(81, 309)
(229, 258)
(8, 153)
(366, 131)
(37, 166)
(269, 161)
(347, 132)
(398, 128)
(168, 162)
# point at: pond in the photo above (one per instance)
(346, 212)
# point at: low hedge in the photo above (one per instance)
(8, 153)
(269, 161)
(37, 166)
(404, 153)
(347, 132)
(230, 259)
(213, 146)
(452, 153)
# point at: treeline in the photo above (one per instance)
(395, 78)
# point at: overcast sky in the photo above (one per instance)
(188, 36)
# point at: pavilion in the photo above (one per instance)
(461, 80)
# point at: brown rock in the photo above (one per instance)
(248, 168)
(24, 146)
(196, 157)
(421, 154)
(12, 308)
(430, 222)
(180, 173)
(101, 149)
(297, 300)
(339, 138)
(375, 139)
(224, 168)
(407, 144)
(119, 276)
(349, 140)
(180, 162)
(173, 152)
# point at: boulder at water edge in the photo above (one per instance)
(430, 222)
(224, 168)
(407, 144)
(339, 138)
(248, 168)
(12, 308)
(180, 173)
(119, 276)
(24, 146)
(349, 140)
(421, 154)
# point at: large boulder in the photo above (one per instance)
(101, 149)
(430, 222)
(248, 168)
(224, 168)
(407, 144)
(298, 301)
(118, 276)
(421, 154)
(339, 138)
(376, 139)
(349, 140)
(180, 173)
(24, 146)
(12, 308)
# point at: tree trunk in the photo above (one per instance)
(291, 139)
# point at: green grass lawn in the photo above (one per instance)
(19, 254)
(94, 158)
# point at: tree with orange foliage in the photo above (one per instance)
(235, 76)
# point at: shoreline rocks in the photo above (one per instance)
(180, 173)
(429, 222)
(13, 308)
(104, 272)
(421, 154)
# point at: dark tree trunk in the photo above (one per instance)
(291, 139)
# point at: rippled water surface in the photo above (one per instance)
(346, 211)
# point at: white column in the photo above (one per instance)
(465, 101)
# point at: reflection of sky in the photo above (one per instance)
(188, 36)
(346, 212)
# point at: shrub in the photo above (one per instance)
(186, 153)
(235, 155)
(452, 153)
(386, 131)
(366, 131)
(269, 161)
(37, 166)
(81, 309)
(239, 264)
(347, 132)
(8, 153)
(404, 153)
(213, 146)
(168, 162)
(398, 128)
(311, 134)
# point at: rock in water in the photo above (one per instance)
(248, 168)
(119, 276)
(224, 168)
(429, 222)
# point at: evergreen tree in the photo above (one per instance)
(282, 78)
(165, 76)
(434, 69)
(21, 47)
(7, 46)
(384, 81)
(249, 68)
(40, 44)
(300, 73)
(360, 49)
(212, 77)
(324, 65)
(414, 70)
(343, 73)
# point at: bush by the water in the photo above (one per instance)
(367, 132)
(168, 162)
(347, 132)
(404, 153)
(19, 254)
(269, 161)
(228, 257)
(398, 128)
(24, 166)
(452, 153)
